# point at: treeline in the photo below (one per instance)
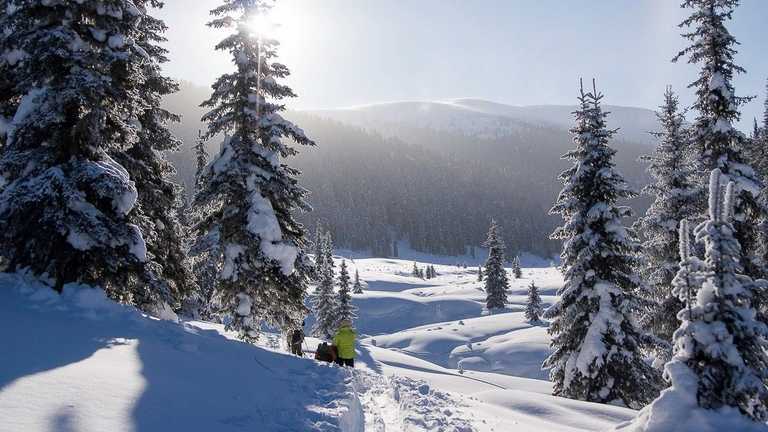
(436, 189)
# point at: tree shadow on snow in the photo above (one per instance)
(42, 338)
(198, 380)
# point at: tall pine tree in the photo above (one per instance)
(324, 305)
(201, 159)
(67, 204)
(596, 354)
(496, 281)
(167, 269)
(675, 197)
(713, 134)
(249, 195)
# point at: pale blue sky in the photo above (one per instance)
(350, 52)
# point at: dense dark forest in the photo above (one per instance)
(374, 183)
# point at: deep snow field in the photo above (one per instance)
(429, 359)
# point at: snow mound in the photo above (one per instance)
(676, 410)
(79, 361)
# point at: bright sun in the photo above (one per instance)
(262, 25)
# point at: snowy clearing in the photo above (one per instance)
(108, 367)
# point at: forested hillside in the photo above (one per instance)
(395, 171)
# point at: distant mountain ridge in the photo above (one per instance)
(489, 119)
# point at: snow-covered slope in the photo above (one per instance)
(487, 119)
(79, 362)
(430, 360)
(416, 337)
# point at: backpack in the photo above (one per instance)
(324, 353)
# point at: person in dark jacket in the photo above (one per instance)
(297, 339)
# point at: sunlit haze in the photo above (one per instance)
(350, 52)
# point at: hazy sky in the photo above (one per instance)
(350, 52)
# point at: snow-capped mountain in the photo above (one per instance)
(487, 119)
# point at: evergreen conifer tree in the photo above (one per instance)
(201, 159)
(249, 196)
(67, 205)
(719, 351)
(516, 270)
(533, 308)
(496, 282)
(596, 346)
(416, 272)
(480, 273)
(324, 301)
(344, 308)
(317, 242)
(358, 286)
(167, 269)
(719, 144)
(205, 251)
(675, 197)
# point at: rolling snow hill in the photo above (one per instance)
(78, 362)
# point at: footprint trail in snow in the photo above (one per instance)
(400, 404)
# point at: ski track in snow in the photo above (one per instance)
(400, 404)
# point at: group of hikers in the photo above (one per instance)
(341, 351)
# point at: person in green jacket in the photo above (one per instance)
(345, 344)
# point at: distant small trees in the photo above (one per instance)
(516, 270)
(496, 282)
(417, 271)
(533, 308)
(344, 308)
(357, 288)
(430, 272)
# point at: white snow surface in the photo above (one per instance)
(80, 362)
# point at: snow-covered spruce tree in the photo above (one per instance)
(596, 354)
(205, 253)
(758, 155)
(358, 286)
(324, 300)
(416, 271)
(721, 342)
(719, 144)
(675, 197)
(516, 270)
(12, 55)
(533, 308)
(480, 273)
(201, 159)
(317, 242)
(168, 272)
(496, 282)
(719, 365)
(345, 310)
(66, 204)
(249, 195)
